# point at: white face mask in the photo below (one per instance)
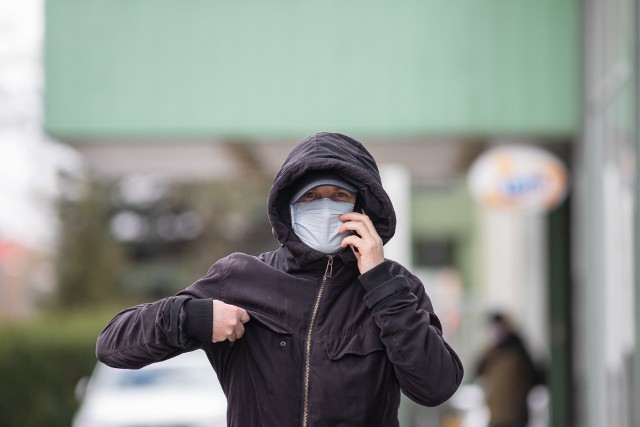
(316, 223)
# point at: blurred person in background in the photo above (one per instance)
(506, 373)
(323, 331)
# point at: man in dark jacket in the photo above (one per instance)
(323, 331)
(507, 374)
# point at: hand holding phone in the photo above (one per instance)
(363, 239)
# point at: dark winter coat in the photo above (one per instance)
(508, 373)
(325, 346)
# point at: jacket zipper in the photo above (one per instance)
(307, 366)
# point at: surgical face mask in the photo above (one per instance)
(316, 223)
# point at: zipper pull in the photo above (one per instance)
(329, 270)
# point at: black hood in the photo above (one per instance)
(345, 157)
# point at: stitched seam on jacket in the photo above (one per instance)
(347, 334)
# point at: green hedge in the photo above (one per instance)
(40, 363)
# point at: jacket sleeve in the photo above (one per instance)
(427, 368)
(153, 332)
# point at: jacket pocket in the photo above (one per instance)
(268, 322)
(361, 343)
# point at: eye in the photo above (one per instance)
(344, 196)
(308, 196)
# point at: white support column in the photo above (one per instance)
(396, 180)
(515, 271)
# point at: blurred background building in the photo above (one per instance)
(166, 120)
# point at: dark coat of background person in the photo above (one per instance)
(373, 335)
(508, 373)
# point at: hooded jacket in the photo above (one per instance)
(325, 346)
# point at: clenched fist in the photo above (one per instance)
(228, 322)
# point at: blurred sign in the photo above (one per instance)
(518, 178)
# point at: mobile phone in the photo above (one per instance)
(358, 205)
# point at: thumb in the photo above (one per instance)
(244, 316)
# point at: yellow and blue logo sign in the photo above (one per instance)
(518, 178)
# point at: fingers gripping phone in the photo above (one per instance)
(357, 207)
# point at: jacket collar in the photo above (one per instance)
(308, 260)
